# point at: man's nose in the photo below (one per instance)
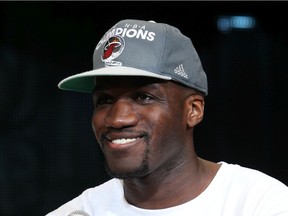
(121, 114)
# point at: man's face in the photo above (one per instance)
(139, 124)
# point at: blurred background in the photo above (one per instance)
(48, 154)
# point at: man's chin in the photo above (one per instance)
(125, 174)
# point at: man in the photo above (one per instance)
(148, 88)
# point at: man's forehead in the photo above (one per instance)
(136, 82)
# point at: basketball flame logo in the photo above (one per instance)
(113, 48)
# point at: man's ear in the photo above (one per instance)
(195, 109)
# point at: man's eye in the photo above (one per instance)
(143, 97)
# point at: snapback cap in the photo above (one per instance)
(142, 48)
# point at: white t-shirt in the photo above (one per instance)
(234, 191)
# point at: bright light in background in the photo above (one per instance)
(227, 23)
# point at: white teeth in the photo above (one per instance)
(123, 140)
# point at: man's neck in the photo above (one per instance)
(157, 191)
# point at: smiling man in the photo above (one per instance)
(148, 89)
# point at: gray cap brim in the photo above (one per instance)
(85, 82)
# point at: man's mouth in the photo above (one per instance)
(124, 140)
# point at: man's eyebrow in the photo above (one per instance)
(151, 85)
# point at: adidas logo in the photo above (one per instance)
(180, 71)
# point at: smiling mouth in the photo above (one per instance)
(123, 137)
(124, 140)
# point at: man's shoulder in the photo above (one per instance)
(112, 187)
(239, 176)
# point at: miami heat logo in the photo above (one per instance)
(113, 48)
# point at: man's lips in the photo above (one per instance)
(122, 141)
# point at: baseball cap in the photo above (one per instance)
(142, 48)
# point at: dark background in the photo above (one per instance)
(48, 152)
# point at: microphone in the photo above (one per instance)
(78, 213)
